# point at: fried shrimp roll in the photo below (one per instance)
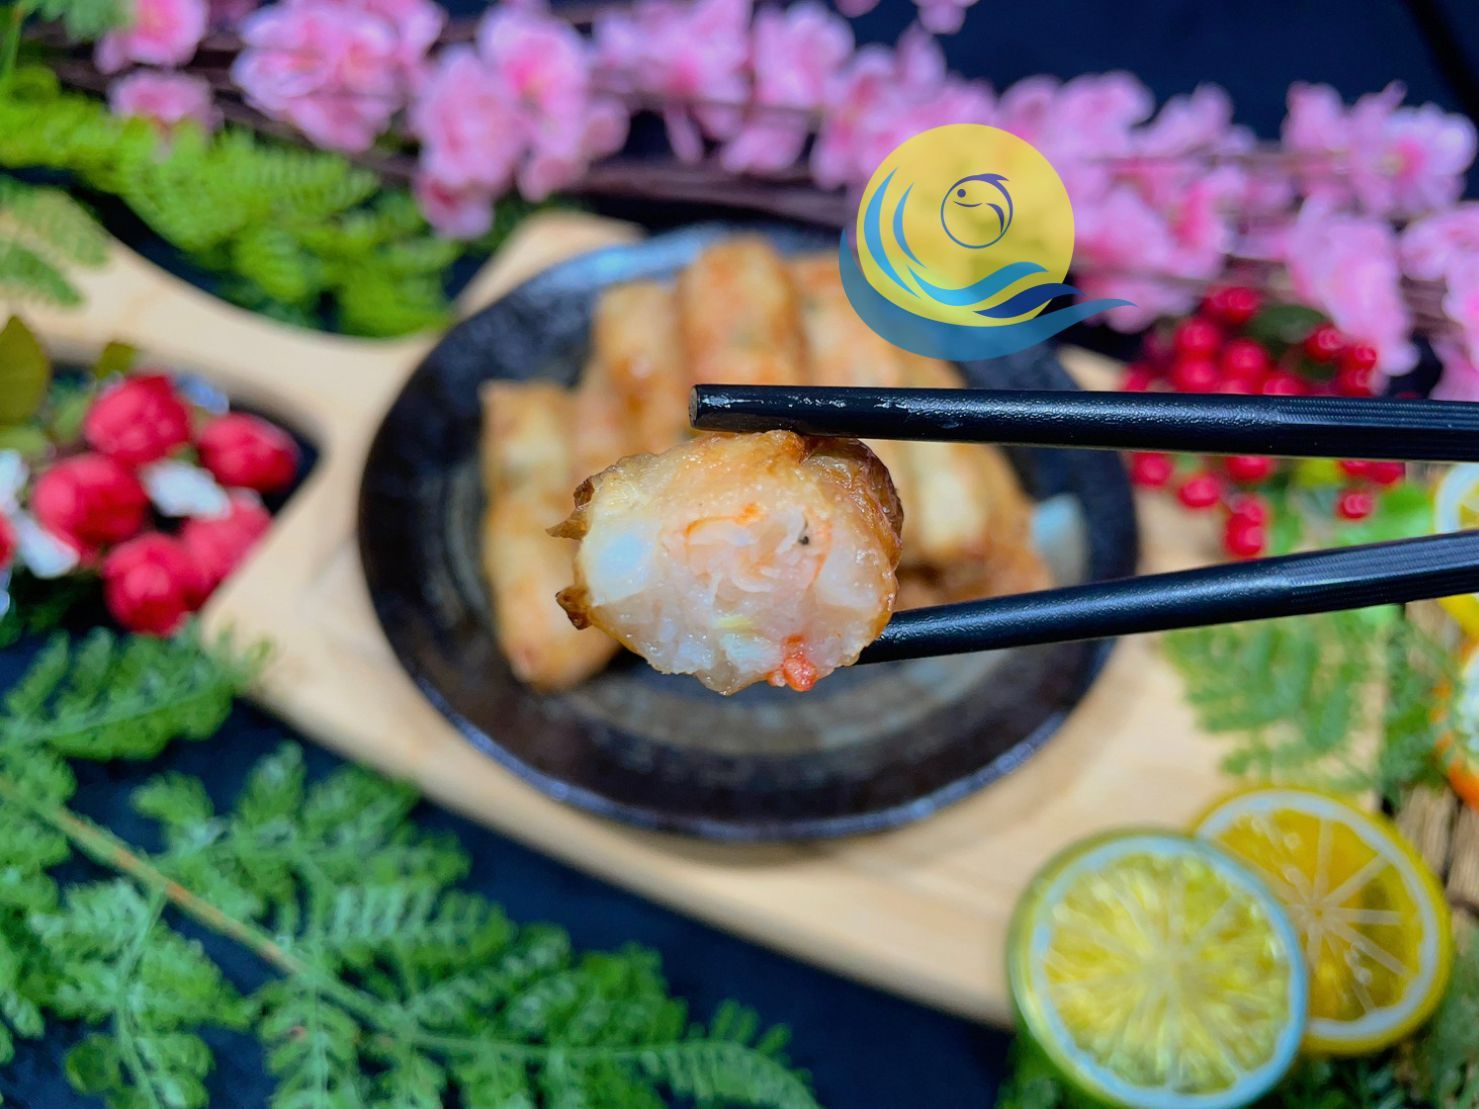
(638, 352)
(739, 559)
(528, 469)
(739, 317)
(842, 350)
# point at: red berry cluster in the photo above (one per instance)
(1217, 351)
(94, 501)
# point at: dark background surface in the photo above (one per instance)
(866, 1050)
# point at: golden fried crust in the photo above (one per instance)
(638, 351)
(739, 317)
(527, 465)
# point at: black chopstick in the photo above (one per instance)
(1303, 427)
(1292, 585)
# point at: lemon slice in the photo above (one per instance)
(1374, 923)
(1456, 508)
(1154, 971)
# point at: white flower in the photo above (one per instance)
(13, 475)
(39, 550)
(180, 489)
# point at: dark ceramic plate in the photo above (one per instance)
(870, 748)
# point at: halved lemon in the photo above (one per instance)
(1456, 508)
(1156, 972)
(1374, 923)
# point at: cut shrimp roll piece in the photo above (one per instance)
(739, 316)
(637, 350)
(739, 559)
(527, 470)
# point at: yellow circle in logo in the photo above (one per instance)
(966, 224)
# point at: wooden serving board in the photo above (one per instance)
(922, 910)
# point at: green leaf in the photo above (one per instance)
(25, 372)
(85, 20)
(1402, 512)
(1282, 325)
(30, 442)
(116, 359)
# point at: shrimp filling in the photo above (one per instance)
(741, 558)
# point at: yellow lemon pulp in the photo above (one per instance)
(1374, 924)
(1456, 508)
(1155, 971)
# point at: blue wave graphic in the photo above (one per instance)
(980, 290)
(1027, 300)
(873, 235)
(954, 342)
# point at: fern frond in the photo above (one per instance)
(122, 966)
(313, 1048)
(122, 699)
(84, 20)
(295, 230)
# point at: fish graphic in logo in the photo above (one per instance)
(964, 236)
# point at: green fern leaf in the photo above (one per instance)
(84, 20)
(121, 966)
(312, 1049)
(123, 700)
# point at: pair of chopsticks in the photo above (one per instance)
(1291, 427)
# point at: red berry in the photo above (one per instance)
(1354, 381)
(90, 501)
(1385, 473)
(1354, 467)
(1355, 504)
(138, 420)
(151, 583)
(1138, 378)
(1248, 507)
(1324, 343)
(1194, 375)
(1283, 384)
(1249, 467)
(1245, 360)
(218, 545)
(1233, 386)
(1197, 338)
(245, 452)
(1233, 306)
(1152, 469)
(1358, 356)
(1243, 538)
(7, 542)
(1200, 491)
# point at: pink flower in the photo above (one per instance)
(680, 53)
(165, 98)
(463, 213)
(943, 17)
(1460, 380)
(1078, 125)
(884, 97)
(1121, 243)
(1388, 159)
(465, 118)
(1346, 266)
(163, 33)
(797, 52)
(1433, 246)
(1461, 303)
(415, 24)
(545, 67)
(331, 71)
